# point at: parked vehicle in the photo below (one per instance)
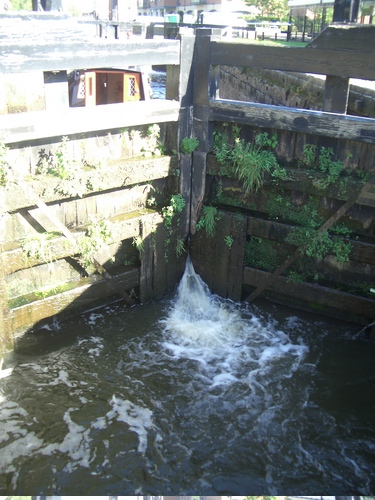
(266, 29)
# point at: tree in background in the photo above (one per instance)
(21, 4)
(272, 9)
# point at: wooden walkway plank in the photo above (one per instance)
(336, 125)
(303, 60)
(33, 125)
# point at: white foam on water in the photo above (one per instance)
(225, 338)
(62, 378)
(98, 342)
(92, 320)
(139, 419)
(17, 438)
(76, 443)
(6, 372)
(11, 415)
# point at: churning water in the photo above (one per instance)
(192, 395)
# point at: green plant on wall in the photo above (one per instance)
(171, 220)
(261, 254)
(188, 145)
(249, 161)
(322, 160)
(99, 235)
(222, 149)
(280, 206)
(318, 244)
(208, 219)
(39, 246)
(176, 206)
(58, 164)
(61, 164)
(229, 241)
(153, 146)
(180, 247)
(139, 243)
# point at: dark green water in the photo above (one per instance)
(193, 395)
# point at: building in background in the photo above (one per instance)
(189, 7)
(314, 12)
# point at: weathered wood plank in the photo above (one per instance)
(219, 256)
(79, 298)
(313, 297)
(236, 256)
(18, 56)
(147, 263)
(16, 259)
(185, 163)
(31, 126)
(5, 332)
(160, 255)
(353, 37)
(198, 184)
(336, 94)
(123, 173)
(368, 197)
(297, 120)
(302, 60)
(201, 256)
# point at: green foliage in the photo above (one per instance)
(279, 206)
(320, 243)
(39, 246)
(180, 246)
(208, 220)
(250, 162)
(228, 241)
(59, 164)
(309, 154)
(188, 145)
(295, 277)
(153, 147)
(322, 161)
(177, 204)
(22, 4)
(52, 290)
(139, 243)
(4, 165)
(261, 254)
(221, 148)
(99, 234)
(62, 165)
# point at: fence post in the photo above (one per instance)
(336, 94)
(179, 87)
(206, 87)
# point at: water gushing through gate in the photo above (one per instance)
(230, 343)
